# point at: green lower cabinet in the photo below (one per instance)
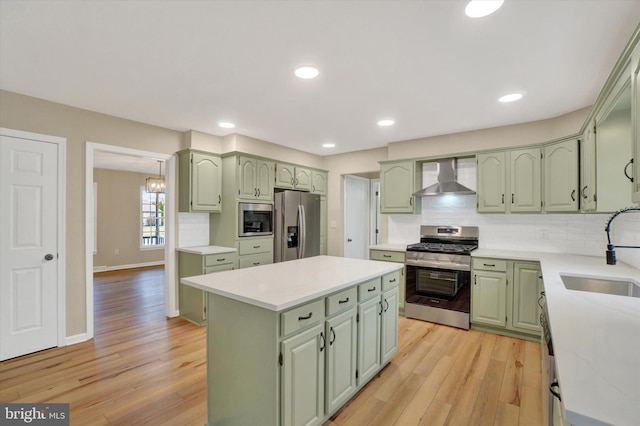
(504, 297)
(489, 298)
(389, 325)
(341, 332)
(368, 339)
(303, 378)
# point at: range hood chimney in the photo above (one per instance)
(447, 180)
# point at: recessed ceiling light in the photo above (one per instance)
(386, 122)
(328, 145)
(226, 124)
(510, 97)
(307, 72)
(480, 8)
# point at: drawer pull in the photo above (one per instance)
(489, 264)
(256, 263)
(343, 301)
(256, 247)
(386, 255)
(555, 393)
(392, 281)
(221, 260)
(305, 318)
(371, 289)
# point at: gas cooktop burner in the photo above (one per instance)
(442, 247)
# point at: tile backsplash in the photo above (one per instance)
(193, 229)
(557, 233)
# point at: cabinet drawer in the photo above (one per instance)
(369, 289)
(219, 259)
(257, 260)
(490, 264)
(255, 246)
(389, 256)
(390, 281)
(341, 301)
(218, 268)
(301, 317)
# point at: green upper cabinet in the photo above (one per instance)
(318, 182)
(398, 182)
(491, 175)
(509, 181)
(561, 176)
(199, 182)
(255, 179)
(635, 116)
(289, 176)
(588, 170)
(524, 180)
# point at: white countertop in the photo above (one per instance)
(204, 250)
(280, 286)
(596, 338)
(389, 247)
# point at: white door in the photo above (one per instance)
(28, 246)
(356, 213)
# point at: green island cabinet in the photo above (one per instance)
(199, 181)
(289, 176)
(398, 182)
(504, 297)
(192, 302)
(509, 181)
(300, 365)
(397, 257)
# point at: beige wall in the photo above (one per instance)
(79, 126)
(534, 132)
(241, 143)
(119, 220)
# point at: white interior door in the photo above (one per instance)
(28, 246)
(356, 212)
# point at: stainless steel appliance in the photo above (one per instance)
(439, 273)
(255, 219)
(297, 225)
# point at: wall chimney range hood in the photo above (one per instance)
(447, 180)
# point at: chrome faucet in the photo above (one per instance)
(611, 249)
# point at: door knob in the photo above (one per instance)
(48, 256)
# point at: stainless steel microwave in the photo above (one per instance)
(255, 219)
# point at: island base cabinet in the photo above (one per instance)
(341, 332)
(368, 339)
(302, 383)
(389, 325)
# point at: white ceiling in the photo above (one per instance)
(128, 163)
(189, 64)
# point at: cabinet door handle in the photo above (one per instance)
(305, 318)
(343, 301)
(333, 336)
(573, 195)
(540, 299)
(255, 192)
(219, 198)
(502, 198)
(386, 307)
(512, 201)
(371, 289)
(553, 391)
(411, 201)
(583, 192)
(323, 342)
(313, 188)
(625, 170)
(381, 308)
(258, 192)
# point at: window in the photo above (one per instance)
(152, 216)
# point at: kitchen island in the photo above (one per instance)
(289, 343)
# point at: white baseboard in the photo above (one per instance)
(78, 338)
(131, 266)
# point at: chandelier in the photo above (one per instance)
(155, 185)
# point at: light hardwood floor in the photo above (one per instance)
(144, 369)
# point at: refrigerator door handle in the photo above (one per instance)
(302, 231)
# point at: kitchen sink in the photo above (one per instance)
(601, 285)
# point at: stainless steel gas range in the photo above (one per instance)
(439, 274)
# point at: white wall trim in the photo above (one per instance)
(170, 235)
(77, 338)
(104, 268)
(61, 211)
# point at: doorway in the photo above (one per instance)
(356, 217)
(169, 222)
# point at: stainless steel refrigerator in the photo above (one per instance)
(297, 225)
